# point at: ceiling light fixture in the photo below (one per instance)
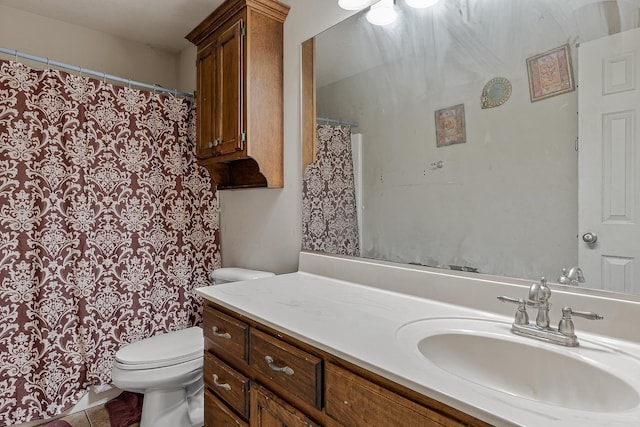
(382, 13)
(353, 4)
(419, 4)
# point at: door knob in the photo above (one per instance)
(590, 238)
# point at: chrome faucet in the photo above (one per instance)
(573, 278)
(539, 295)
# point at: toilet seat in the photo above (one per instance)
(162, 350)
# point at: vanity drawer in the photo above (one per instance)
(356, 402)
(217, 414)
(231, 386)
(226, 334)
(296, 371)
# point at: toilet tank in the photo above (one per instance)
(235, 274)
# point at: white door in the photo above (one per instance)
(609, 161)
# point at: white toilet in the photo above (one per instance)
(167, 368)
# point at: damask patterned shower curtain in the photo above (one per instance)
(106, 226)
(329, 217)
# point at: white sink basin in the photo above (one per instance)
(589, 378)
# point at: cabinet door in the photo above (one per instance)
(216, 414)
(205, 101)
(229, 88)
(267, 410)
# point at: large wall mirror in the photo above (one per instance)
(489, 136)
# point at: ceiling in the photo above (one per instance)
(158, 23)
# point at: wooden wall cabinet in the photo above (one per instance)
(256, 376)
(239, 96)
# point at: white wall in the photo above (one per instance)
(187, 69)
(94, 50)
(504, 202)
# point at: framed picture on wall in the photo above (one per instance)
(450, 126)
(550, 73)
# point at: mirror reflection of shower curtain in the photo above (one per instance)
(329, 213)
(356, 155)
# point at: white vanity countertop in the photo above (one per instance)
(358, 323)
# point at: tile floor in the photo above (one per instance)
(92, 417)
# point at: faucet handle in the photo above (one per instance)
(566, 327)
(586, 314)
(521, 318)
(509, 299)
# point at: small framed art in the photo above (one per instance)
(495, 93)
(550, 73)
(450, 126)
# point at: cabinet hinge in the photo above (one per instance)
(243, 31)
(244, 137)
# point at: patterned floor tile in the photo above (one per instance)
(98, 416)
(79, 419)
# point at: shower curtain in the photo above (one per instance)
(329, 217)
(106, 225)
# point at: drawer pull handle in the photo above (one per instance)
(226, 335)
(224, 386)
(286, 370)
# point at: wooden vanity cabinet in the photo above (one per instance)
(217, 413)
(239, 95)
(256, 376)
(355, 401)
(269, 410)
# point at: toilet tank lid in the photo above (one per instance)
(164, 349)
(235, 274)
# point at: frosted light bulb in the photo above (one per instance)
(353, 4)
(419, 4)
(382, 13)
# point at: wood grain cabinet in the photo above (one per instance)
(218, 414)
(269, 410)
(256, 376)
(279, 364)
(239, 96)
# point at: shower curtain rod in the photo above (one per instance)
(97, 74)
(337, 122)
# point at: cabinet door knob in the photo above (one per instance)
(221, 385)
(284, 369)
(225, 335)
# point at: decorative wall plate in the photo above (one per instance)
(496, 92)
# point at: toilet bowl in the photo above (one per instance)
(167, 368)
